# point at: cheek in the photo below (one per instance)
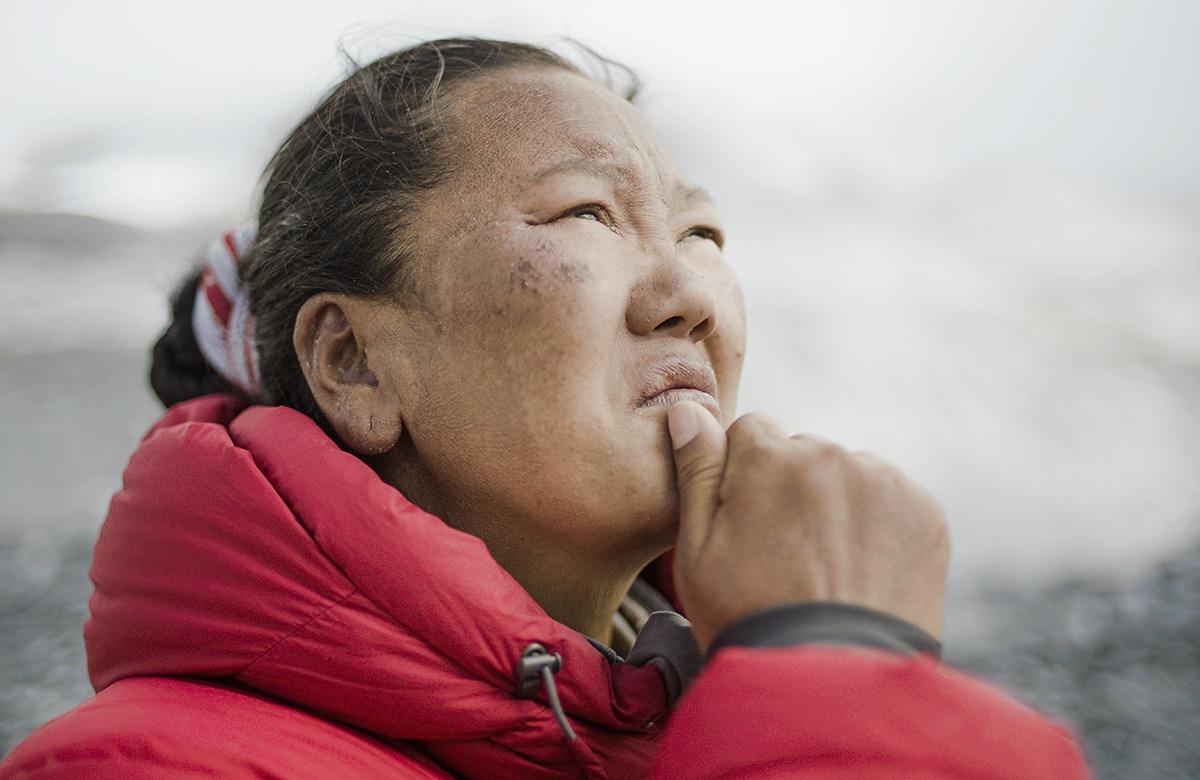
(728, 347)
(540, 287)
(529, 318)
(541, 295)
(543, 271)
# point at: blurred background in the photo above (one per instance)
(969, 236)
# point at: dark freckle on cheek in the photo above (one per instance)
(524, 276)
(572, 273)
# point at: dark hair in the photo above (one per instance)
(336, 200)
(178, 370)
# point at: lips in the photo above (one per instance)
(671, 381)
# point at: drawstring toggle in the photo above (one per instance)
(536, 668)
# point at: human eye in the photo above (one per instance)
(704, 233)
(594, 212)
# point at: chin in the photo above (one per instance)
(654, 525)
(640, 504)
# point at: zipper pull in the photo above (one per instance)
(537, 667)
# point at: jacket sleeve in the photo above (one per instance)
(856, 696)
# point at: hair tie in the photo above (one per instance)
(221, 318)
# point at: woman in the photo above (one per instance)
(470, 373)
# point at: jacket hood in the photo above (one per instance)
(246, 546)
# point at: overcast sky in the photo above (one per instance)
(162, 113)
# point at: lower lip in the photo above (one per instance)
(668, 398)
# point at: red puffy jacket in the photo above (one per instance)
(265, 606)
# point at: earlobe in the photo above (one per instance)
(331, 339)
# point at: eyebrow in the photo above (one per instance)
(589, 165)
(694, 195)
(618, 175)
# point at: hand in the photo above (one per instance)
(767, 519)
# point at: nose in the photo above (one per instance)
(673, 299)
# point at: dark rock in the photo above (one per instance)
(43, 603)
(1120, 663)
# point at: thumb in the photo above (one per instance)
(699, 445)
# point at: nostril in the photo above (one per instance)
(682, 327)
(703, 329)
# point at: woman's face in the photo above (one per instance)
(568, 287)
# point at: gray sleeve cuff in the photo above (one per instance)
(825, 623)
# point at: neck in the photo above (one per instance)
(581, 588)
(582, 597)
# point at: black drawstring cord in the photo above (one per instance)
(535, 667)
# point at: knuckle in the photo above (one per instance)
(761, 452)
(823, 448)
(754, 427)
(827, 458)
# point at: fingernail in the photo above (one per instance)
(682, 423)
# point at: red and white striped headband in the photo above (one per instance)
(221, 318)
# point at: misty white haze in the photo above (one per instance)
(968, 234)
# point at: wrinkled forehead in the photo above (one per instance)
(524, 122)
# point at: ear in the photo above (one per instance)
(331, 337)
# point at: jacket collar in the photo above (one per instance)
(246, 544)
